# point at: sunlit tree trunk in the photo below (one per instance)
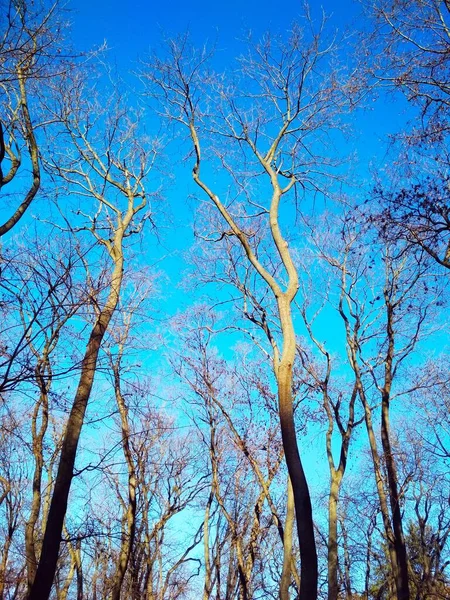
(287, 544)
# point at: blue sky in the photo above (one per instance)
(131, 28)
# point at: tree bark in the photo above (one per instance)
(333, 586)
(34, 158)
(45, 573)
(302, 500)
(130, 517)
(37, 436)
(283, 365)
(287, 543)
(402, 579)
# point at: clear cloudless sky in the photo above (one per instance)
(132, 27)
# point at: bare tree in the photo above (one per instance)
(13, 475)
(30, 55)
(410, 44)
(219, 406)
(404, 309)
(105, 163)
(267, 131)
(408, 50)
(119, 337)
(62, 304)
(338, 399)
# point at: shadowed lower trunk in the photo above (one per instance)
(302, 500)
(402, 579)
(333, 585)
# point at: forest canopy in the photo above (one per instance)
(224, 270)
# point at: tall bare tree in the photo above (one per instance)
(408, 50)
(104, 162)
(30, 55)
(266, 131)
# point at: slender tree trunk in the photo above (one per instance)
(38, 436)
(130, 517)
(265, 484)
(347, 563)
(52, 537)
(287, 543)
(65, 588)
(79, 567)
(207, 588)
(368, 560)
(402, 579)
(283, 365)
(379, 481)
(254, 540)
(34, 158)
(3, 564)
(380, 487)
(302, 500)
(333, 499)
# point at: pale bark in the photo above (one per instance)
(284, 362)
(236, 540)
(336, 477)
(352, 351)
(43, 376)
(332, 566)
(208, 575)
(287, 543)
(11, 526)
(6, 488)
(347, 563)
(263, 482)
(62, 595)
(95, 171)
(37, 436)
(3, 564)
(337, 473)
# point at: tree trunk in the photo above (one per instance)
(34, 158)
(130, 517)
(333, 499)
(207, 588)
(302, 500)
(30, 551)
(402, 579)
(287, 543)
(43, 581)
(380, 487)
(3, 564)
